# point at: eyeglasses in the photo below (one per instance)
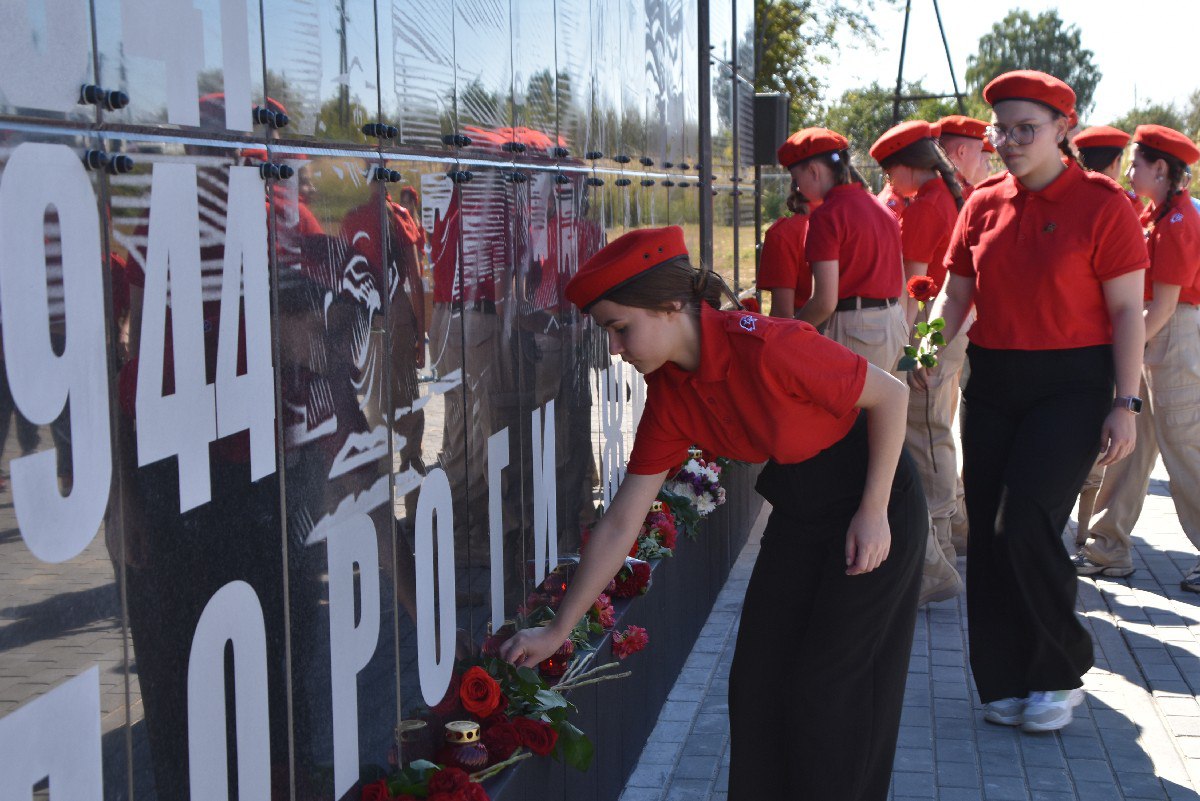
(1022, 134)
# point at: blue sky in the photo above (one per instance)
(1135, 52)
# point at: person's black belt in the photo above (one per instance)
(850, 304)
(485, 306)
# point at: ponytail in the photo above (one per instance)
(928, 154)
(674, 281)
(1178, 176)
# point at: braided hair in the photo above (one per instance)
(1178, 176)
(928, 154)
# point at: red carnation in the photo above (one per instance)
(537, 736)
(449, 780)
(630, 641)
(634, 579)
(604, 613)
(501, 740)
(377, 791)
(922, 288)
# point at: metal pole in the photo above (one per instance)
(900, 71)
(704, 78)
(962, 107)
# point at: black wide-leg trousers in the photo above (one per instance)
(817, 682)
(1031, 424)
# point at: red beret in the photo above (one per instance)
(1101, 136)
(899, 137)
(809, 142)
(958, 125)
(1032, 85)
(1169, 141)
(623, 259)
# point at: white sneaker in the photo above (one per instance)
(1051, 710)
(1005, 712)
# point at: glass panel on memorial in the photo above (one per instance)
(689, 125)
(605, 94)
(179, 61)
(434, 503)
(543, 94)
(416, 51)
(61, 635)
(45, 58)
(203, 554)
(336, 287)
(490, 358)
(423, 241)
(321, 64)
(483, 84)
(575, 65)
(635, 100)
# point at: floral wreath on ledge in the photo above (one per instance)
(495, 715)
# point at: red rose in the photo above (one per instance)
(922, 288)
(537, 736)
(479, 692)
(501, 740)
(449, 702)
(377, 791)
(449, 780)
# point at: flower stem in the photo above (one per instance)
(928, 425)
(597, 680)
(500, 766)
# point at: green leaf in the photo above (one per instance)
(922, 329)
(910, 351)
(929, 360)
(937, 324)
(907, 364)
(529, 676)
(577, 749)
(937, 339)
(549, 699)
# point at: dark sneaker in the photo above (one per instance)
(1086, 567)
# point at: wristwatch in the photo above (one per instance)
(1130, 402)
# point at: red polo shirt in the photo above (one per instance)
(854, 229)
(766, 388)
(926, 226)
(1039, 259)
(893, 202)
(782, 264)
(1174, 246)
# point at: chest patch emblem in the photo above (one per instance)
(1177, 217)
(748, 323)
(1049, 229)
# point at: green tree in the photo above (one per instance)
(792, 36)
(1024, 42)
(1154, 114)
(863, 114)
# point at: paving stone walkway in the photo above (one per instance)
(1136, 737)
